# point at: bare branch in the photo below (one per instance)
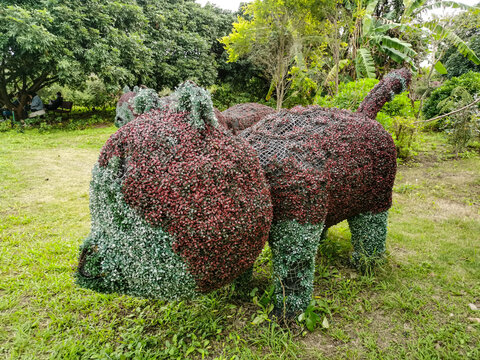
(450, 113)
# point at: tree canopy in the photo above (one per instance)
(62, 41)
(154, 42)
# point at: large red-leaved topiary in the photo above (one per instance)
(180, 172)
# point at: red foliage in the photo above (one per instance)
(242, 116)
(205, 188)
(222, 121)
(324, 165)
(393, 83)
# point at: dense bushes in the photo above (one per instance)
(349, 96)
(469, 81)
(93, 94)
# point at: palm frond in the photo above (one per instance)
(443, 4)
(411, 6)
(398, 56)
(453, 39)
(395, 43)
(440, 68)
(364, 64)
(337, 67)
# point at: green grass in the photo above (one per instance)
(413, 307)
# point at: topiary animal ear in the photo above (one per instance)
(146, 100)
(126, 89)
(197, 102)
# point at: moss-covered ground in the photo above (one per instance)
(418, 305)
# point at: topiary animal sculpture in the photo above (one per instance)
(325, 165)
(179, 207)
(242, 116)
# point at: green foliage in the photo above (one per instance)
(469, 81)
(226, 95)
(123, 253)
(60, 41)
(364, 64)
(458, 65)
(182, 37)
(274, 35)
(461, 127)
(349, 95)
(405, 134)
(315, 314)
(91, 94)
(157, 43)
(294, 247)
(197, 102)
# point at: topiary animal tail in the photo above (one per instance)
(392, 84)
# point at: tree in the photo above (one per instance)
(467, 26)
(440, 33)
(182, 37)
(270, 34)
(60, 41)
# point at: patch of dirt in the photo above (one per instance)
(445, 209)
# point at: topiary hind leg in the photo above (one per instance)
(369, 234)
(294, 247)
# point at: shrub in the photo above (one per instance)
(404, 133)
(225, 96)
(93, 94)
(349, 96)
(460, 127)
(469, 81)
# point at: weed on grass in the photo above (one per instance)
(413, 306)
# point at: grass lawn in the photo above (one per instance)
(416, 306)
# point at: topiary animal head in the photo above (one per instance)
(178, 206)
(134, 103)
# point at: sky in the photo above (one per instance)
(233, 4)
(224, 4)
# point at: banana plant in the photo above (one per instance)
(374, 35)
(441, 35)
(434, 27)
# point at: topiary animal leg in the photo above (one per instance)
(369, 234)
(294, 247)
